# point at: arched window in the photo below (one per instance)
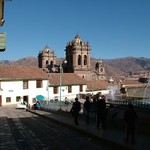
(85, 60)
(46, 62)
(51, 62)
(79, 59)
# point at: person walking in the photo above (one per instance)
(130, 117)
(76, 107)
(101, 112)
(87, 108)
(93, 110)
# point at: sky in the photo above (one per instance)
(113, 28)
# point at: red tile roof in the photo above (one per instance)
(66, 79)
(9, 72)
(97, 85)
(130, 81)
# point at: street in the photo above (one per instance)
(22, 130)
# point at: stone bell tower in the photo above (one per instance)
(47, 60)
(100, 69)
(78, 57)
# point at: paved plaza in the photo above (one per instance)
(111, 136)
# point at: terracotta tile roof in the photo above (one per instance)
(135, 85)
(97, 85)
(67, 79)
(9, 72)
(130, 81)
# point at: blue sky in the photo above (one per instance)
(113, 28)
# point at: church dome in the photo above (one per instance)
(46, 50)
(77, 39)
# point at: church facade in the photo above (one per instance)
(78, 58)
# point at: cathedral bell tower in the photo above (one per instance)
(78, 57)
(47, 59)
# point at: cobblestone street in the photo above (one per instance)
(22, 130)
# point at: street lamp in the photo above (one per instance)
(60, 80)
(92, 76)
(48, 84)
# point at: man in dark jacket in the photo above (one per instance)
(101, 112)
(130, 117)
(76, 107)
(87, 108)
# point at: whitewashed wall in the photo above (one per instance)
(15, 88)
(10, 89)
(64, 92)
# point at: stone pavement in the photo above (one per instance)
(6, 138)
(112, 136)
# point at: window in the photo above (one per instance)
(33, 100)
(81, 88)
(69, 89)
(55, 90)
(51, 63)
(79, 59)
(8, 99)
(18, 98)
(25, 84)
(85, 60)
(39, 84)
(46, 62)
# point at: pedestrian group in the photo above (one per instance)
(97, 107)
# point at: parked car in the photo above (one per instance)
(21, 106)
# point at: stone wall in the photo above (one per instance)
(139, 92)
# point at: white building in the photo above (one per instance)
(24, 83)
(71, 86)
(21, 84)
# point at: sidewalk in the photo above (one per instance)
(113, 137)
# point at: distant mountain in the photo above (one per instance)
(28, 61)
(130, 64)
(113, 66)
(110, 69)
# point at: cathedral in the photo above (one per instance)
(78, 61)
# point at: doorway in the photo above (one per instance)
(25, 100)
